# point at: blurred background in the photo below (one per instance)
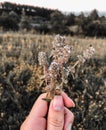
(64, 17)
(28, 27)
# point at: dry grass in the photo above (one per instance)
(20, 74)
(44, 42)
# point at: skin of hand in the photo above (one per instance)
(58, 118)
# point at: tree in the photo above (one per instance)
(58, 23)
(8, 23)
(70, 19)
(24, 23)
(94, 15)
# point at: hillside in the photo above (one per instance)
(17, 17)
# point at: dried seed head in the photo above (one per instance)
(59, 41)
(65, 73)
(56, 75)
(66, 53)
(92, 50)
(87, 54)
(42, 58)
(54, 68)
(68, 49)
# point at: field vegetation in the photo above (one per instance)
(20, 83)
(17, 17)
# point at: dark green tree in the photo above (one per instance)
(24, 23)
(70, 19)
(58, 22)
(94, 15)
(9, 22)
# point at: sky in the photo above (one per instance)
(65, 5)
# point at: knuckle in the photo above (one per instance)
(69, 115)
(72, 117)
(55, 122)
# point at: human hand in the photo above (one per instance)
(59, 117)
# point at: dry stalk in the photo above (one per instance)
(56, 73)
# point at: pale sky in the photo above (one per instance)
(65, 5)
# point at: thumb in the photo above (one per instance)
(56, 114)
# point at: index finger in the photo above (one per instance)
(40, 107)
(68, 102)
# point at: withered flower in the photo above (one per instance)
(54, 69)
(42, 58)
(56, 74)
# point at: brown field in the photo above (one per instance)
(20, 79)
(44, 42)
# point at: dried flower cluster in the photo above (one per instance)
(56, 73)
(87, 54)
(42, 58)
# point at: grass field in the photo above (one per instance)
(20, 79)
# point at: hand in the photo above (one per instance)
(59, 117)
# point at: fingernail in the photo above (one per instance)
(58, 103)
(69, 127)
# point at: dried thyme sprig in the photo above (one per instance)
(56, 74)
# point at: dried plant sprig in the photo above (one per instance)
(54, 70)
(87, 54)
(56, 74)
(42, 58)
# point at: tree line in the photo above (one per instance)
(17, 17)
